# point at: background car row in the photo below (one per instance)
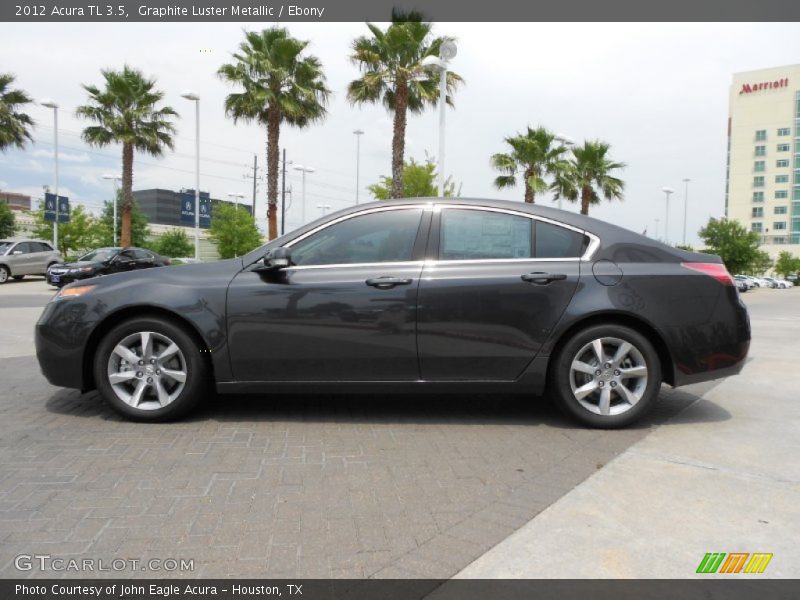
(748, 282)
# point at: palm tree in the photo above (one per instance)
(280, 86)
(126, 112)
(15, 126)
(393, 73)
(589, 176)
(535, 156)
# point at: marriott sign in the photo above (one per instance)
(767, 85)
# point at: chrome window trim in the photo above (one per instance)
(594, 241)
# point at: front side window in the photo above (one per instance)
(23, 247)
(385, 236)
(99, 255)
(479, 234)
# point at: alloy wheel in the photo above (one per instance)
(608, 376)
(147, 370)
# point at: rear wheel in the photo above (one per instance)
(149, 369)
(607, 376)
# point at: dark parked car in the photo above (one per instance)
(459, 296)
(104, 261)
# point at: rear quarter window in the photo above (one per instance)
(552, 241)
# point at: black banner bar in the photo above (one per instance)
(261, 11)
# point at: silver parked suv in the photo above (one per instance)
(26, 257)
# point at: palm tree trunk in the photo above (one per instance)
(530, 196)
(273, 135)
(127, 194)
(585, 196)
(399, 137)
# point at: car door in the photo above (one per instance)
(498, 283)
(143, 259)
(124, 261)
(344, 311)
(22, 259)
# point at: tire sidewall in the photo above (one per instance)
(562, 391)
(7, 271)
(195, 387)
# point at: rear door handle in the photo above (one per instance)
(385, 283)
(543, 278)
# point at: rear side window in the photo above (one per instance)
(553, 241)
(41, 247)
(480, 234)
(385, 236)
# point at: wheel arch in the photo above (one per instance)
(117, 317)
(628, 320)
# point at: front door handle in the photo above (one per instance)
(385, 283)
(543, 278)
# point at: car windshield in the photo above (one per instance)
(4, 246)
(100, 255)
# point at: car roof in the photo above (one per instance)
(18, 240)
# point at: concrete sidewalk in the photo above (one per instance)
(722, 476)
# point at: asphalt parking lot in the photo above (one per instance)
(287, 486)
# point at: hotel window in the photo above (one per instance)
(758, 196)
(782, 163)
(761, 135)
(760, 166)
(784, 147)
(779, 225)
(779, 240)
(758, 181)
(781, 195)
(758, 212)
(757, 227)
(781, 210)
(797, 177)
(781, 179)
(784, 131)
(796, 195)
(761, 150)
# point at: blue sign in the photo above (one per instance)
(187, 208)
(50, 208)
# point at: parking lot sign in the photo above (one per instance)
(50, 208)
(187, 208)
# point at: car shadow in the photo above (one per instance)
(473, 409)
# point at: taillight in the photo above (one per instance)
(715, 270)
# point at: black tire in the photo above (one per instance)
(5, 273)
(563, 378)
(18, 277)
(197, 370)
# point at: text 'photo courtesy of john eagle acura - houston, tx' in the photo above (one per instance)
(413, 295)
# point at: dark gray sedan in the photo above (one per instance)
(453, 296)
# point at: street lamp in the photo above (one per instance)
(358, 133)
(116, 179)
(667, 192)
(303, 201)
(567, 141)
(447, 51)
(54, 105)
(324, 207)
(189, 95)
(236, 197)
(685, 204)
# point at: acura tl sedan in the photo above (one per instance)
(450, 296)
(103, 261)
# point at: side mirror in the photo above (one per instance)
(277, 258)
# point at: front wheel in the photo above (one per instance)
(149, 369)
(4, 274)
(606, 376)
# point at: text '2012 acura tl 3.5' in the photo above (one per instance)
(403, 296)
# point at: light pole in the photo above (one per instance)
(236, 197)
(116, 179)
(54, 105)
(569, 143)
(324, 207)
(358, 133)
(657, 220)
(303, 201)
(189, 95)
(447, 51)
(685, 205)
(667, 192)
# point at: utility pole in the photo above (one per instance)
(283, 194)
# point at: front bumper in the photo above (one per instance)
(61, 337)
(60, 279)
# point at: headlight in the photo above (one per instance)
(82, 270)
(72, 292)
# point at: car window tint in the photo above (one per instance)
(553, 241)
(127, 254)
(480, 234)
(142, 254)
(42, 247)
(23, 247)
(386, 236)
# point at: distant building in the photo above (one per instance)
(163, 207)
(763, 172)
(15, 201)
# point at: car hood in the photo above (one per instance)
(79, 264)
(194, 274)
